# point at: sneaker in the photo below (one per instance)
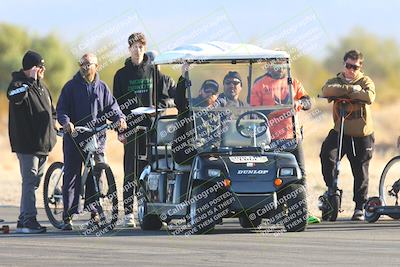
(20, 226)
(94, 222)
(130, 220)
(313, 219)
(358, 215)
(31, 226)
(67, 225)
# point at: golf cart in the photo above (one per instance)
(235, 166)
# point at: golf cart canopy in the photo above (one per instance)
(217, 51)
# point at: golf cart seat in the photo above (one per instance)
(166, 127)
(231, 137)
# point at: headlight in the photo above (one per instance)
(286, 172)
(214, 172)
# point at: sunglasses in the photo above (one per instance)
(232, 82)
(351, 66)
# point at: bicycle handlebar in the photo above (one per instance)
(84, 129)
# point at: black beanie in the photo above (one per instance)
(32, 59)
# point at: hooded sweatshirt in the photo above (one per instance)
(31, 116)
(133, 86)
(86, 104)
(269, 91)
(359, 121)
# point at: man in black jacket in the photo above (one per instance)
(133, 87)
(32, 133)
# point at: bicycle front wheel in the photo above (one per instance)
(107, 195)
(389, 185)
(52, 194)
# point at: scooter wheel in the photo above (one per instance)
(370, 215)
(330, 207)
(334, 202)
(324, 208)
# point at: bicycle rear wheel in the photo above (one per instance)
(389, 184)
(52, 194)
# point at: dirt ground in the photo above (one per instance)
(317, 123)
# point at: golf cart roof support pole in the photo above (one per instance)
(290, 86)
(156, 73)
(249, 77)
(188, 87)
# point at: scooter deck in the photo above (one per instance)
(386, 210)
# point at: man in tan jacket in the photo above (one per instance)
(358, 141)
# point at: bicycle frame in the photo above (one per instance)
(89, 164)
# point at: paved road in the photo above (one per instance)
(342, 243)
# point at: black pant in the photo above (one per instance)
(132, 170)
(299, 155)
(359, 151)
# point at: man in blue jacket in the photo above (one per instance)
(85, 100)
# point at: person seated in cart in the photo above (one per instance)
(275, 88)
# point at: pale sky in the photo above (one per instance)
(170, 23)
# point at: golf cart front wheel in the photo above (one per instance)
(370, 215)
(293, 208)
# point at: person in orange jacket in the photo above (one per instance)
(273, 88)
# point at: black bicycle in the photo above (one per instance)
(106, 200)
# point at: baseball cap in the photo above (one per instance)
(233, 75)
(210, 86)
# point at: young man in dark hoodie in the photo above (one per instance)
(32, 133)
(85, 100)
(133, 87)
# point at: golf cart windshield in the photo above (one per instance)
(242, 104)
(238, 97)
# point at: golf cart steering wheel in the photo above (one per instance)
(249, 130)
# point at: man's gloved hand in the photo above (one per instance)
(69, 127)
(122, 125)
(356, 88)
